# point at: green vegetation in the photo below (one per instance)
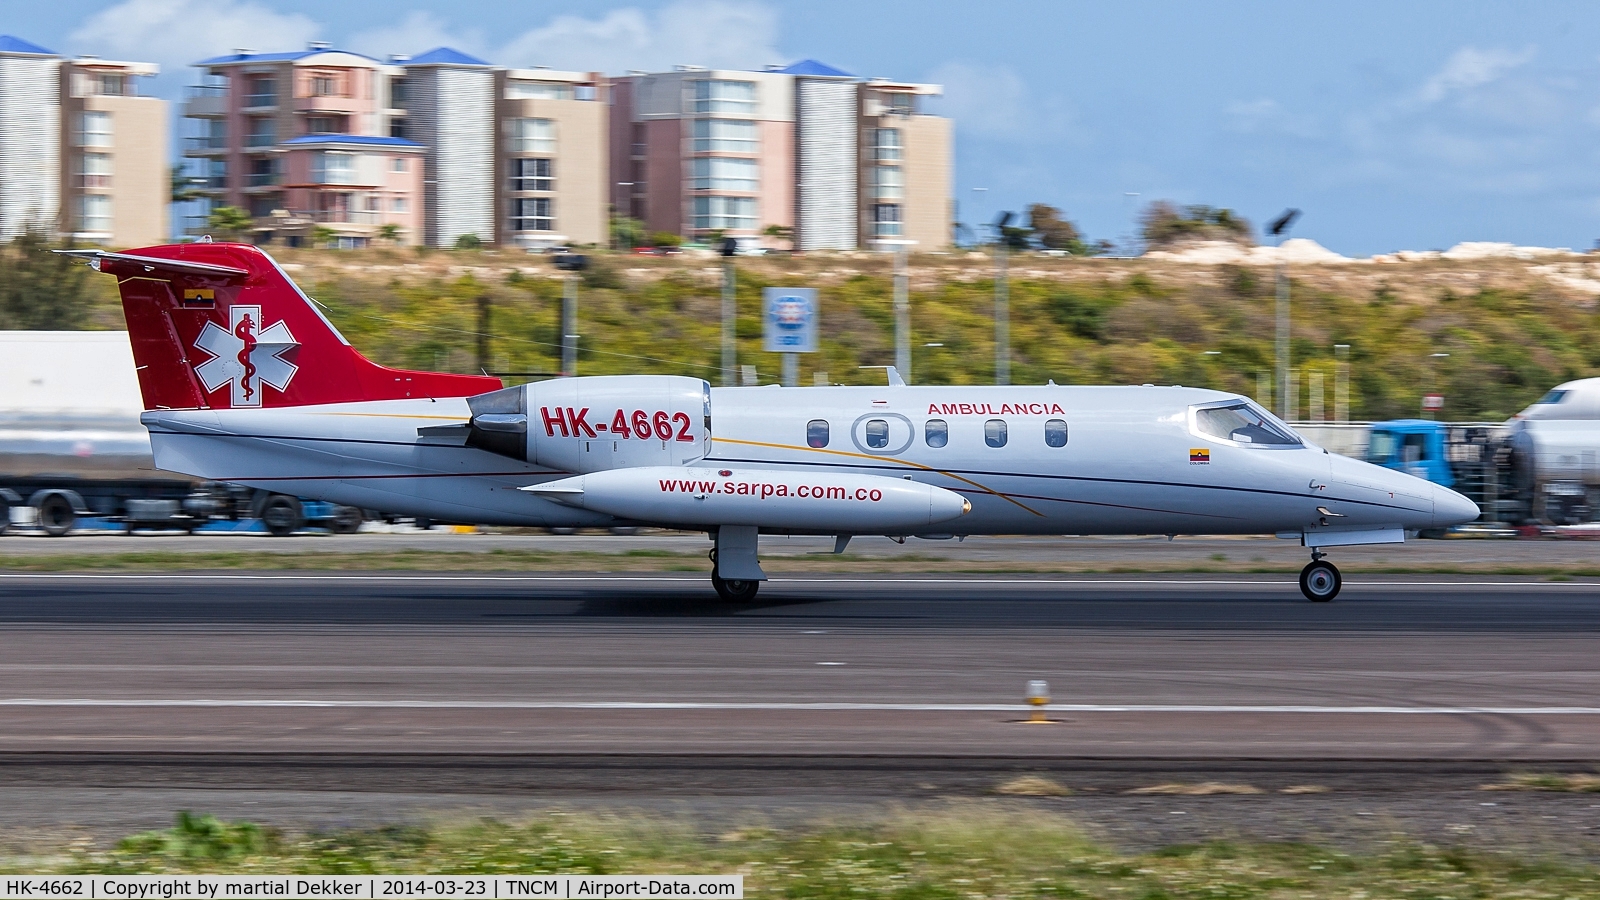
(964, 851)
(1163, 224)
(40, 290)
(1512, 329)
(229, 223)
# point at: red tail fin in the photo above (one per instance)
(221, 325)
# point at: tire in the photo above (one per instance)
(422, 523)
(5, 515)
(282, 515)
(1320, 581)
(346, 520)
(735, 591)
(56, 515)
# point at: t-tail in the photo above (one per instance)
(221, 326)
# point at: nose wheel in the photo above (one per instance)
(1320, 580)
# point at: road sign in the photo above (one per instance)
(1433, 402)
(790, 317)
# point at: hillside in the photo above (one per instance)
(1513, 327)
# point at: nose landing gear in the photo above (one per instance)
(1320, 580)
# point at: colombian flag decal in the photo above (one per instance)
(1199, 456)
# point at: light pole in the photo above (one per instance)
(730, 312)
(1205, 369)
(1433, 379)
(572, 264)
(902, 315)
(1279, 228)
(1341, 383)
(1002, 303)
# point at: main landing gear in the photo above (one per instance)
(1320, 580)
(735, 591)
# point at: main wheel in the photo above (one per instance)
(346, 520)
(1320, 581)
(56, 515)
(282, 515)
(735, 591)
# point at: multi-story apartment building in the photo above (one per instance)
(839, 162)
(116, 187)
(307, 139)
(81, 152)
(441, 146)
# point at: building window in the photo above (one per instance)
(216, 174)
(263, 172)
(263, 133)
(261, 92)
(715, 173)
(888, 183)
(995, 432)
(533, 214)
(724, 212)
(899, 103)
(215, 136)
(325, 125)
(96, 210)
(886, 220)
(533, 175)
(817, 433)
(538, 90)
(397, 127)
(324, 86)
(400, 205)
(333, 167)
(398, 93)
(738, 97)
(725, 136)
(886, 144)
(111, 85)
(401, 164)
(1055, 433)
(94, 170)
(374, 203)
(533, 136)
(94, 129)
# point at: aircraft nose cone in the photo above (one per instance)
(1451, 508)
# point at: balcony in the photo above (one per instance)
(260, 140)
(206, 101)
(339, 216)
(205, 145)
(260, 101)
(329, 104)
(263, 179)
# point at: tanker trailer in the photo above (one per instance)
(71, 446)
(1555, 454)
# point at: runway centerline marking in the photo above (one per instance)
(293, 703)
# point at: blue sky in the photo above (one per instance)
(1392, 125)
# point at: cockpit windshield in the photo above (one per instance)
(1243, 422)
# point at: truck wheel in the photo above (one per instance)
(282, 515)
(346, 520)
(56, 515)
(5, 515)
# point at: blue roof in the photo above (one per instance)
(9, 44)
(445, 56)
(272, 57)
(370, 140)
(812, 67)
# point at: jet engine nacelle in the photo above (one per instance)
(596, 423)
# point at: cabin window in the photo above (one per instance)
(994, 432)
(817, 433)
(936, 433)
(1055, 433)
(877, 434)
(1244, 423)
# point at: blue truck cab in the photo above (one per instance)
(1413, 446)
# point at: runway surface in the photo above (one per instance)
(357, 699)
(1169, 667)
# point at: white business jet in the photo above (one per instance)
(246, 381)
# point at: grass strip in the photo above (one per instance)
(504, 560)
(963, 851)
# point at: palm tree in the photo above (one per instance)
(230, 221)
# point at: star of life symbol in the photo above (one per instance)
(245, 356)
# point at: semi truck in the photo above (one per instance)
(1542, 466)
(72, 448)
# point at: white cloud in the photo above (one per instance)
(417, 33)
(176, 33)
(1470, 67)
(986, 101)
(717, 33)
